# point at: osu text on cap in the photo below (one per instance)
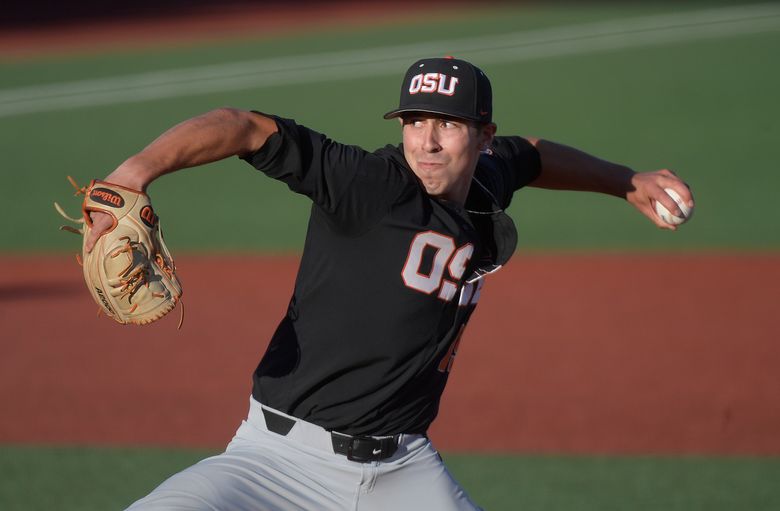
(433, 82)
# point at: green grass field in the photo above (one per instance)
(704, 106)
(85, 479)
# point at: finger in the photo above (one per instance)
(683, 191)
(670, 180)
(685, 194)
(90, 244)
(101, 223)
(669, 203)
(91, 240)
(663, 225)
(653, 216)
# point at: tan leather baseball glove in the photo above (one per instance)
(130, 271)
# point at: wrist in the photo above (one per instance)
(622, 182)
(132, 173)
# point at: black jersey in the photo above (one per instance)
(388, 279)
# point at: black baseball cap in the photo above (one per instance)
(447, 86)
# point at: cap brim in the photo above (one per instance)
(428, 110)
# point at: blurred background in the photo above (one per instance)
(690, 86)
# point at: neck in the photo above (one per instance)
(458, 196)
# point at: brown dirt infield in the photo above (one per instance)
(566, 353)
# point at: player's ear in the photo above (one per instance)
(487, 132)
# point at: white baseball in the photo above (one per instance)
(667, 216)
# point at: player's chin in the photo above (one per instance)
(434, 188)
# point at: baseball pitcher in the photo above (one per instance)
(400, 245)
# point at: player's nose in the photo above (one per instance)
(430, 139)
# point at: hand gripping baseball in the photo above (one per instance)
(129, 271)
(649, 191)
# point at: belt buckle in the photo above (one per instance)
(373, 449)
(351, 447)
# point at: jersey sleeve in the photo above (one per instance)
(351, 184)
(512, 163)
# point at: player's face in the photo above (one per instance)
(443, 152)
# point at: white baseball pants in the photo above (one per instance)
(263, 470)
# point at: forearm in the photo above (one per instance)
(566, 168)
(204, 139)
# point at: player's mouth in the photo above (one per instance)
(429, 165)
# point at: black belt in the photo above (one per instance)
(356, 448)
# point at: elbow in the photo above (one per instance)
(252, 129)
(534, 141)
(231, 116)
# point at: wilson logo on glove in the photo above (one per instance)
(130, 271)
(107, 197)
(148, 216)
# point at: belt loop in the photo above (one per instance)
(277, 423)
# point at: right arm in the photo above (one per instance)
(213, 136)
(567, 168)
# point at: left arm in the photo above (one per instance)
(566, 168)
